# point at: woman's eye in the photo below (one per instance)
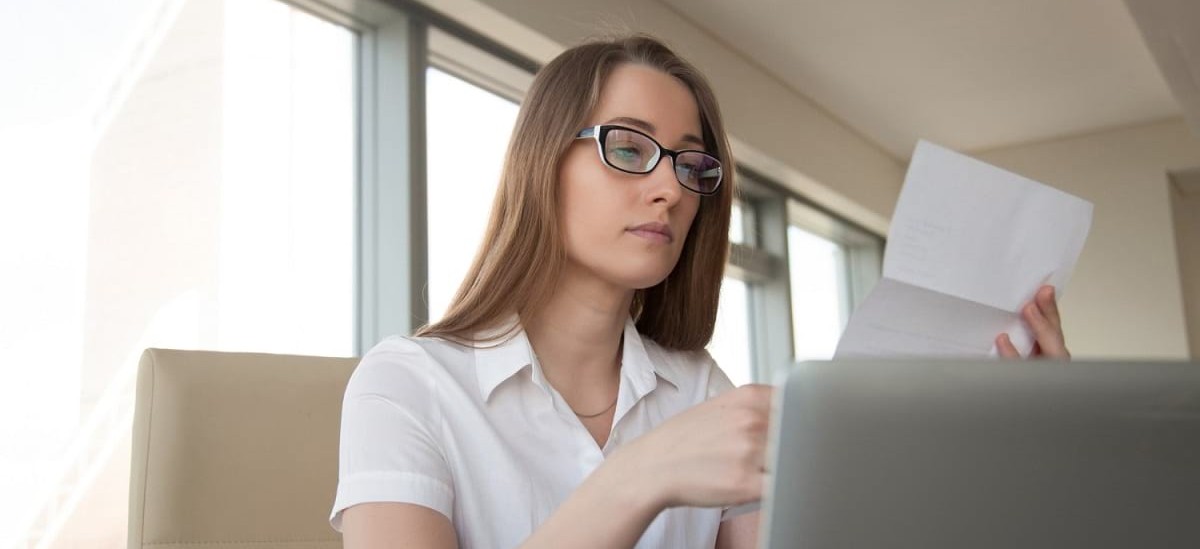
(627, 153)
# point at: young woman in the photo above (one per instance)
(566, 399)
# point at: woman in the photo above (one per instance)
(566, 399)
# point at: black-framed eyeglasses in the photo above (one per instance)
(631, 151)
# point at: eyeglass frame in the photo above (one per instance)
(599, 133)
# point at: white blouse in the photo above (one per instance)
(479, 435)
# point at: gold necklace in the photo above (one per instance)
(607, 408)
(597, 414)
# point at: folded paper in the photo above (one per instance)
(969, 245)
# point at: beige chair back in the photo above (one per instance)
(235, 450)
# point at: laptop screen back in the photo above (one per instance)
(986, 454)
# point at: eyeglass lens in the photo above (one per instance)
(633, 152)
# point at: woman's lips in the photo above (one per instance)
(654, 232)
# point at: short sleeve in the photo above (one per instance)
(390, 449)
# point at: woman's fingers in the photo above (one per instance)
(1048, 305)
(1049, 335)
(1006, 348)
(711, 455)
(758, 396)
(1043, 319)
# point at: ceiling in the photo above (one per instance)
(968, 74)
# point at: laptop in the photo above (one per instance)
(985, 454)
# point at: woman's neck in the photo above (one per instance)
(577, 338)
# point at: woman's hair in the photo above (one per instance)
(522, 254)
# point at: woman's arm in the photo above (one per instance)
(739, 532)
(607, 510)
(602, 512)
(389, 525)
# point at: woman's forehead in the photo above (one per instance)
(663, 102)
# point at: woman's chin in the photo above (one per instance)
(642, 281)
(635, 276)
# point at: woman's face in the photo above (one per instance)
(627, 229)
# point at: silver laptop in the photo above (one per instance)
(985, 454)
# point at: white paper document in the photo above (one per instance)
(969, 245)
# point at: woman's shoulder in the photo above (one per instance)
(697, 359)
(688, 369)
(409, 367)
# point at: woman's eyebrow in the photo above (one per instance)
(649, 128)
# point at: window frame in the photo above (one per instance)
(393, 52)
(763, 262)
(391, 248)
(864, 250)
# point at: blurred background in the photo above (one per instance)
(310, 176)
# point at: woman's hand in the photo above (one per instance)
(712, 455)
(1042, 316)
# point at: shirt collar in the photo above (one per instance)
(637, 366)
(496, 360)
(499, 359)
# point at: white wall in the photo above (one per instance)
(776, 129)
(1125, 299)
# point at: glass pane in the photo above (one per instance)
(468, 129)
(816, 266)
(743, 225)
(730, 345)
(185, 180)
(737, 224)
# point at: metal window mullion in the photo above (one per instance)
(392, 259)
(864, 265)
(771, 302)
(750, 264)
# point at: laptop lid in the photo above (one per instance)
(985, 454)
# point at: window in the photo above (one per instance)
(472, 99)
(737, 224)
(818, 304)
(468, 132)
(732, 343)
(832, 265)
(730, 346)
(795, 273)
(198, 192)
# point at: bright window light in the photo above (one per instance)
(730, 345)
(817, 286)
(186, 181)
(468, 132)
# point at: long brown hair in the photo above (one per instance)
(522, 254)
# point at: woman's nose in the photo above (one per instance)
(664, 186)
